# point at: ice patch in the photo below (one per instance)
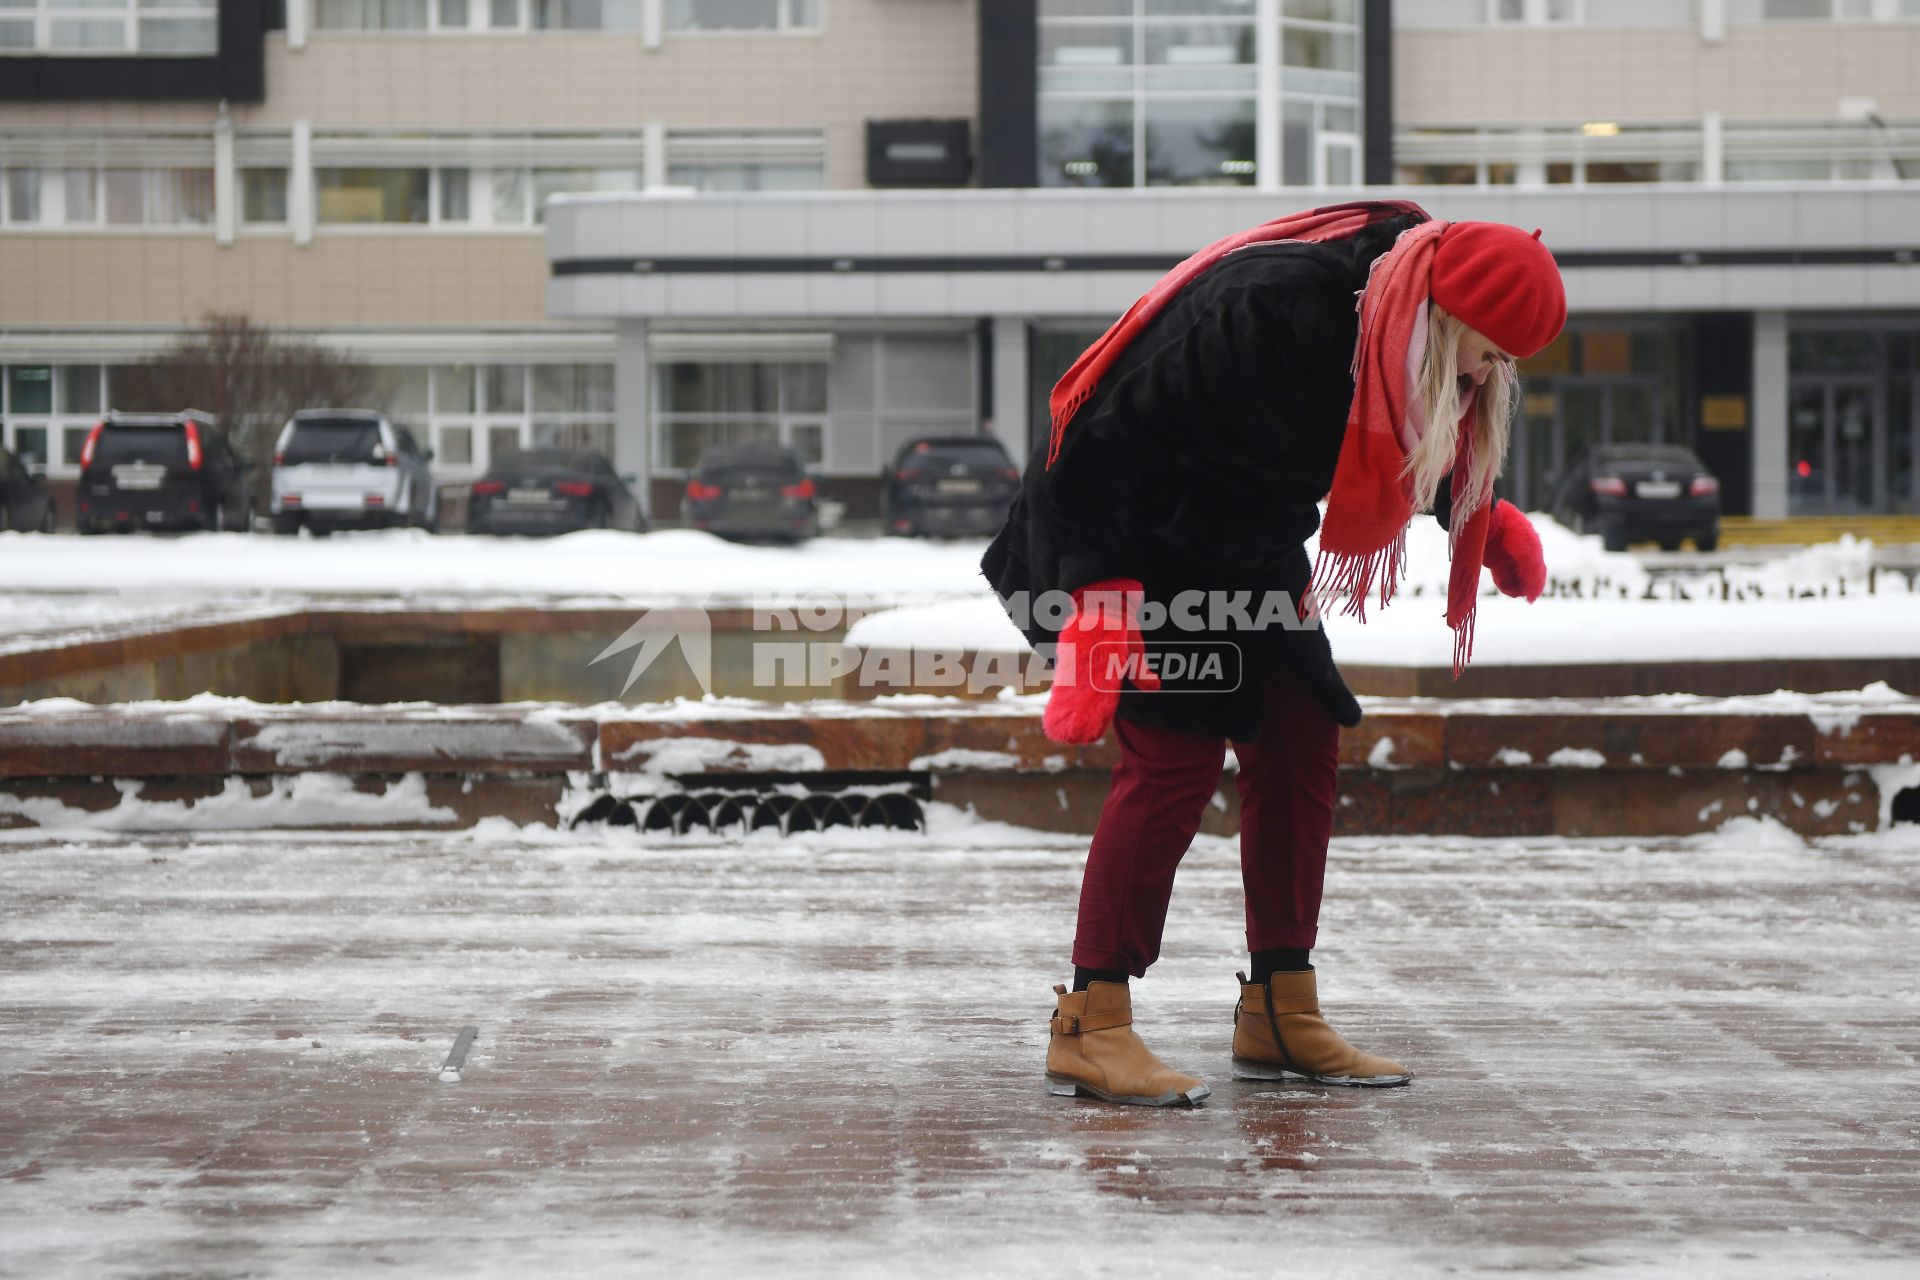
(1381, 757)
(1512, 756)
(710, 755)
(1735, 758)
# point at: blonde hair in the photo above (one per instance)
(1437, 399)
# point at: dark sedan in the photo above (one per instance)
(949, 486)
(1630, 493)
(752, 491)
(25, 503)
(553, 491)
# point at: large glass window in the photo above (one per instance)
(1086, 143)
(372, 195)
(702, 406)
(1161, 92)
(370, 15)
(263, 195)
(743, 15)
(149, 28)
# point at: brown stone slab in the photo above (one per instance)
(1875, 738)
(88, 743)
(412, 744)
(1425, 802)
(1628, 739)
(1414, 739)
(28, 666)
(753, 745)
(1019, 736)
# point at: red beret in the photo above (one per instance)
(1501, 281)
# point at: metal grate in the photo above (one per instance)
(788, 803)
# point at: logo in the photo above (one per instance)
(654, 633)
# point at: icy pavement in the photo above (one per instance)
(821, 1056)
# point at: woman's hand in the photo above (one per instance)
(1513, 553)
(1098, 648)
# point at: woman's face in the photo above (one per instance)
(1477, 357)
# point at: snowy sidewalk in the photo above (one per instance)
(821, 1056)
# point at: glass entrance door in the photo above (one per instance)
(1834, 437)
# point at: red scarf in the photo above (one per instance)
(1364, 535)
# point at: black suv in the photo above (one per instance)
(948, 486)
(161, 471)
(25, 503)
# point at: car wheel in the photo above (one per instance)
(46, 517)
(1613, 539)
(1669, 544)
(1707, 542)
(286, 524)
(6, 518)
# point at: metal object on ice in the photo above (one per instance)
(450, 1070)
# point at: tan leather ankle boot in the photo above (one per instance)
(1278, 1034)
(1094, 1050)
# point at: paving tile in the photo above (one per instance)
(820, 1056)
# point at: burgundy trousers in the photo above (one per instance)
(1161, 787)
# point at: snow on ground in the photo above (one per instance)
(1597, 609)
(820, 1055)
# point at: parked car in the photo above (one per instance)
(948, 486)
(553, 491)
(1641, 492)
(752, 491)
(25, 503)
(350, 469)
(160, 471)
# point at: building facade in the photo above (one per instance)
(650, 226)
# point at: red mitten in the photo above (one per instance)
(1099, 644)
(1513, 553)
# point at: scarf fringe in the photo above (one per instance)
(1463, 642)
(1354, 576)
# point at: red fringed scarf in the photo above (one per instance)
(1364, 536)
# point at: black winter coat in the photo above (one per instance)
(1196, 465)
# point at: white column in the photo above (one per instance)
(226, 193)
(297, 23)
(654, 133)
(1010, 376)
(1770, 454)
(652, 23)
(300, 184)
(1713, 148)
(633, 410)
(1713, 20)
(1266, 100)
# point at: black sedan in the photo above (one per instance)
(25, 503)
(1630, 493)
(948, 486)
(752, 491)
(553, 491)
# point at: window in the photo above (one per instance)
(743, 15)
(29, 389)
(454, 186)
(572, 388)
(453, 388)
(506, 388)
(82, 190)
(370, 15)
(150, 28)
(586, 15)
(703, 406)
(372, 195)
(552, 182)
(23, 197)
(80, 388)
(263, 195)
(1161, 92)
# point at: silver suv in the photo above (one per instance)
(350, 469)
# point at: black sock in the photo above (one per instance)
(1081, 977)
(1268, 963)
